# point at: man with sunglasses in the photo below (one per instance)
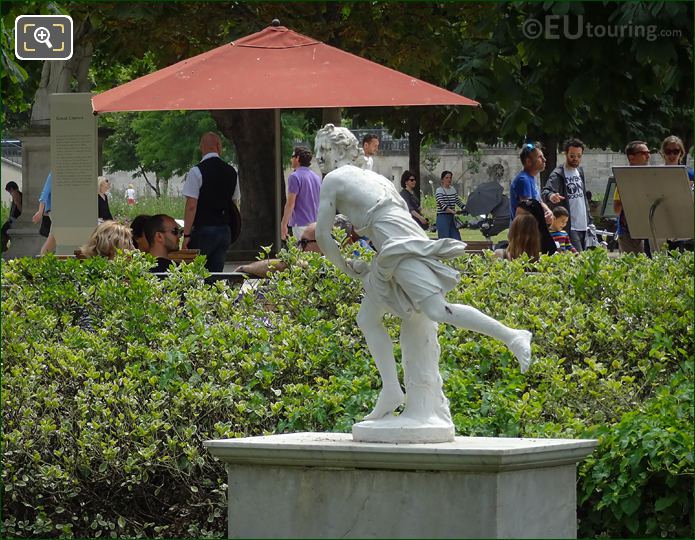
(524, 184)
(566, 187)
(303, 187)
(162, 234)
(638, 154)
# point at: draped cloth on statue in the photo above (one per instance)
(407, 268)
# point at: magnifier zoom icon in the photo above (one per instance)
(43, 36)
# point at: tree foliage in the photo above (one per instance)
(161, 144)
(606, 90)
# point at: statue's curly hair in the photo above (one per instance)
(343, 137)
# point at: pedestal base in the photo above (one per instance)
(400, 429)
(24, 242)
(324, 485)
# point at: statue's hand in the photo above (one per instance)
(357, 268)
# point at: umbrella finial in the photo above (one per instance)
(276, 22)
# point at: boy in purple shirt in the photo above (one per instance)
(524, 184)
(303, 187)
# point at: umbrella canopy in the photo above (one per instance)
(275, 68)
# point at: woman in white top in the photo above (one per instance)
(447, 201)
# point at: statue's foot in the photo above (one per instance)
(390, 398)
(520, 345)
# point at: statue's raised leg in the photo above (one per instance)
(461, 316)
(370, 321)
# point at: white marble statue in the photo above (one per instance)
(405, 278)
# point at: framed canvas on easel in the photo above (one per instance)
(657, 201)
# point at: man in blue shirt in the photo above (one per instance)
(524, 184)
(42, 215)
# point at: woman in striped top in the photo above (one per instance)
(447, 201)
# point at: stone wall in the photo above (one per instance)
(495, 163)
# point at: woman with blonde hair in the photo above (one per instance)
(102, 199)
(673, 152)
(108, 237)
(523, 238)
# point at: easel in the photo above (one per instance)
(657, 201)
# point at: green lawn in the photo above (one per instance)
(172, 206)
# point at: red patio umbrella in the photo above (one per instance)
(275, 68)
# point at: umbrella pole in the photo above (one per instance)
(278, 179)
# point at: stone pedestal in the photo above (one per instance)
(25, 240)
(325, 485)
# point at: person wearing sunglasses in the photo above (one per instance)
(566, 187)
(303, 187)
(638, 154)
(104, 212)
(163, 235)
(673, 152)
(411, 198)
(524, 184)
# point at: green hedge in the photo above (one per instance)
(112, 379)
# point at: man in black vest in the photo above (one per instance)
(211, 189)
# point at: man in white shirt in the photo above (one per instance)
(566, 186)
(370, 145)
(211, 189)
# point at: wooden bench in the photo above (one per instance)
(476, 247)
(184, 255)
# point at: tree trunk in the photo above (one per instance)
(331, 116)
(252, 134)
(414, 143)
(549, 143)
(153, 187)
